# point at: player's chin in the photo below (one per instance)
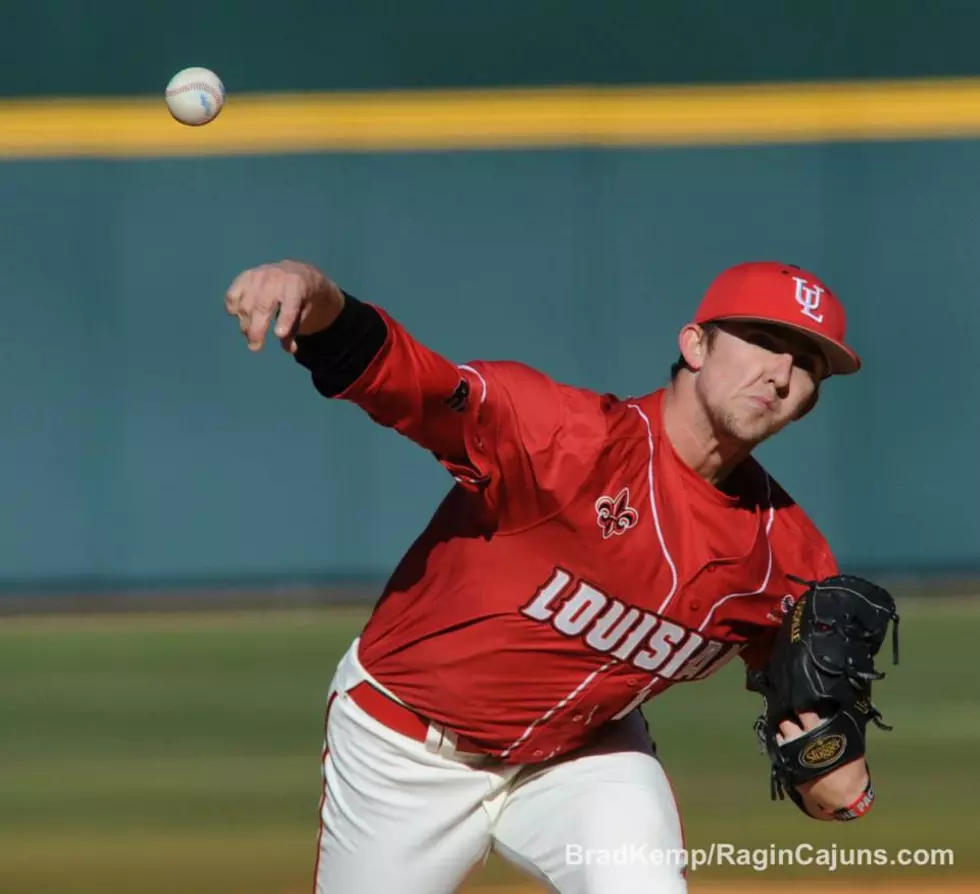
(755, 428)
(778, 425)
(775, 420)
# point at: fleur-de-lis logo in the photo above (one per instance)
(615, 515)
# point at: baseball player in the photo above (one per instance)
(592, 552)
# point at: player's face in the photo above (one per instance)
(756, 378)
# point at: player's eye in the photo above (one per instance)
(766, 341)
(814, 364)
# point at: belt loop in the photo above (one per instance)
(449, 742)
(440, 740)
(433, 739)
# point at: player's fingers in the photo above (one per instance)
(236, 292)
(788, 730)
(258, 323)
(809, 719)
(289, 309)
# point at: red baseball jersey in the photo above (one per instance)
(577, 567)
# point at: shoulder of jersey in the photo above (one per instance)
(790, 512)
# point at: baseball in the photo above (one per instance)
(195, 96)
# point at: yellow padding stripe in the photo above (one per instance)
(497, 119)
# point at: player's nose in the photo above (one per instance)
(781, 371)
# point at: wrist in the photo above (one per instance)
(340, 353)
(322, 310)
(861, 806)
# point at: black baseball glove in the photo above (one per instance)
(823, 661)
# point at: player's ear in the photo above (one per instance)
(693, 342)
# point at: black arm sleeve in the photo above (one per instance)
(338, 355)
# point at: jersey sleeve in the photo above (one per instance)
(529, 440)
(504, 430)
(413, 390)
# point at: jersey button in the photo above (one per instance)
(577, 718)
(538, 752)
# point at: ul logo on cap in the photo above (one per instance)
(808, 297)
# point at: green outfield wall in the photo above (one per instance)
(144, 444)
(143, 440)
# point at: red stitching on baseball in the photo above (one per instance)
(198, 85)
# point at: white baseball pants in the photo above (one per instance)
(402, 817)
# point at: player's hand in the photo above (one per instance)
(297, 296)
(839, 788)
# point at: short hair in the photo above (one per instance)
(710, 334)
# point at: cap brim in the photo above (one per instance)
(841, 359)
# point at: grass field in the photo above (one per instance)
(179, 753)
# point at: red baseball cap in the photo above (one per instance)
(771, 292)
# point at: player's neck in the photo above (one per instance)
(695, 440)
